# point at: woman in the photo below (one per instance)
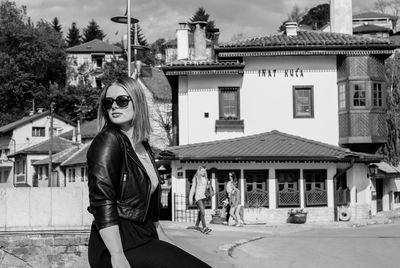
(124, 186)
(229, 188)
(198, 193)
(236, 206)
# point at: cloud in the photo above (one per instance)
(159, 18)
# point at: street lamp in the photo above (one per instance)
(135, 46)
(372, 170)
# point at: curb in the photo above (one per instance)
(228, 248)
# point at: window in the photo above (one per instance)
(229, 103)
(73, 175)
(38, 131)
(359, 95)
(5, 175)
(1, 177)
(377, 95)
(40, 173)
(20, 164)
(396, 197)
(82, 174)
(46, 172)
(342, 96)
(69, 175)
(303, 102)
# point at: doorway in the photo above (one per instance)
(379, 194)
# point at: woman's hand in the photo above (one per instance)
(118, 260)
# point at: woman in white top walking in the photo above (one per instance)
(198, 193)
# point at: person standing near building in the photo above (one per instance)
(236, 206)
(124, 186)
(197, 194)
(229, 189)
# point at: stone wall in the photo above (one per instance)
(52, 249)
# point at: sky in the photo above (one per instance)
(160, 18)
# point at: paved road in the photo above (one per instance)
(370, 246)
(289, 246)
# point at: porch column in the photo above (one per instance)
(242, 186)
(272, 188)
(302, 189)
(330, 186)
(214, 185)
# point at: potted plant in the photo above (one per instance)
(297, 215)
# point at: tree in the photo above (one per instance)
(317, 17)
(73, 36)
(391, 150)
(383, 5)
(92, 31)
(201, 15)
(140, 37)
(56, 25)
(295, 15)
(31, 59)
(114, 69)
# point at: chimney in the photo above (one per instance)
(341, 16)
(182, 37)
(291, 28)
(200, 40)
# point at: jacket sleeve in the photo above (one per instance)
(104, 159)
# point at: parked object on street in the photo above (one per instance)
(297, 216)
(344, 213)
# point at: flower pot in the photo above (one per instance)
(297, 218)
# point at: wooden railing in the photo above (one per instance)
(257, 198)
(316, 197)
(289, 197)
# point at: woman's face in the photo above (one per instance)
(203, 172)
(118, 113)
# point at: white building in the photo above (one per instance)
(295, 86)
(23, 133)
(86, 61)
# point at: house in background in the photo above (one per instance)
(24, 172)
(374, 24)
(27, 131)
(85, 61)
(307, 91)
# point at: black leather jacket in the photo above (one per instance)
(119, 186)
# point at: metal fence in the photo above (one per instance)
(183, 212)
(257, 198)
(316, 197)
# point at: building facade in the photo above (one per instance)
(319, 86)
(23, 133)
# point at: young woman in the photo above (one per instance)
(124, 186)
(229, 188)
(236, 206)
(198, 193)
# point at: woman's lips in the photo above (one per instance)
(116, 114)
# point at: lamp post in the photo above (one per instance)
(125, 20)
(135, 46)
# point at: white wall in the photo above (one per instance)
(266, 103)
(44, 208)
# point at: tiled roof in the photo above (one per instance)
(59, 144)
(158, 84)
(204, 64)
(387, 168)
(28, 119)
(272, 146)
(369, 28)
(58, 158)
(88, 130)
(78, 158)
(307, 40)
(94, 46)
(374, 15)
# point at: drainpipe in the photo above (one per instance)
(13, 170)
(334, 187)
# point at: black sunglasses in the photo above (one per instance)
(122, 102)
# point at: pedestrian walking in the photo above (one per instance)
(229, 187)
(124, 186)
(200, 185)
(236, 206)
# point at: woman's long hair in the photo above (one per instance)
(141, 120)
(234, 179)
(197, 175)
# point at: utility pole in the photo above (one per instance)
(51, 146)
